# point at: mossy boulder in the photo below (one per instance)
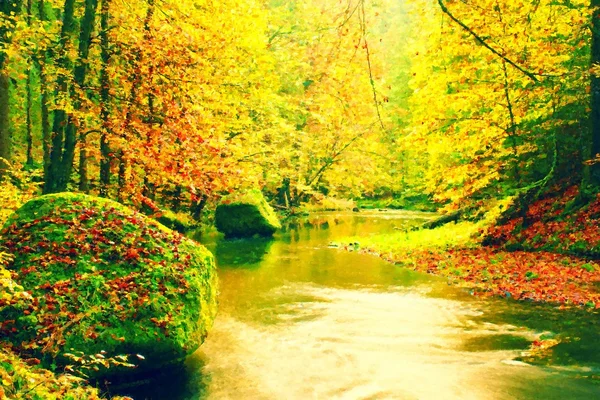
(246, 214)
(106, 280)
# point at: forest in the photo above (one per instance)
(131, 132)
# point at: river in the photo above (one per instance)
(302, 319)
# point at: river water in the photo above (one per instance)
(302, 319)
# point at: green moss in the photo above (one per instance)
(246, 214)
(103, 277)
(449, 236)
(412, 203)
(179, 222)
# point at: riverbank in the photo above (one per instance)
(548, 256)
(23, 379)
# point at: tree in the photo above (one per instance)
(595, 95)
(497, 84)
(64, 131)
(8, 13)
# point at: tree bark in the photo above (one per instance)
(84, 182)
(29, 89)
(53, 172)
(45, 111)
(5, 134)
(104, 100)
(7, 8)
(64, 129)
(122, 176)
(198, 205)
(594, 175)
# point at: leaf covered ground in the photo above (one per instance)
(548, 256)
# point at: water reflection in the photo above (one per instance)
(236, 253)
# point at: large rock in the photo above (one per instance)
(246, 214)
(104, 278)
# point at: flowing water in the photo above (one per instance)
(302, 319)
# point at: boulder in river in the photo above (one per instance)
(246, 214)
(105, 280)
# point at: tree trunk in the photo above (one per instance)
(29, 99)
(64, 128)
(53, 171)
(176, 201)
(30, 160)
(45, 111)
(7, 8)
(122, 177)
(104, 100)
(133, 96)
(198, 205)
(594, 175)
(84, 182)
(283, 195)
(5, 136)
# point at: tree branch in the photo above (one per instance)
(529, 74)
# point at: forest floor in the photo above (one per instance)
(553, 257)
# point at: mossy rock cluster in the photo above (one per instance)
(105, 280)
(246, 214)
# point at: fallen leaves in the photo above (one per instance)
(540, 276)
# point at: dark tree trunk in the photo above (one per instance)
(29, 99)
(284, 195)
(594, 173)
(45, 111)
(104, 100)
(176, 201)
(198, 205)
(84, 182)
(6, 8)
(64, 129)
(53, 171)
(122, 176)
(5, 134)
(28, 124)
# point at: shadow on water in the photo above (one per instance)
(240, 253)
(176, 382)
(495, 342)
(575, 330)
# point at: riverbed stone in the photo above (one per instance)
(246, 214)
(105, 280)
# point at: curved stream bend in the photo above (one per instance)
(301, 320)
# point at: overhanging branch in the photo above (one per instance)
(531, 75)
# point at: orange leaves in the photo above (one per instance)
(541, 276)
(132, 254)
